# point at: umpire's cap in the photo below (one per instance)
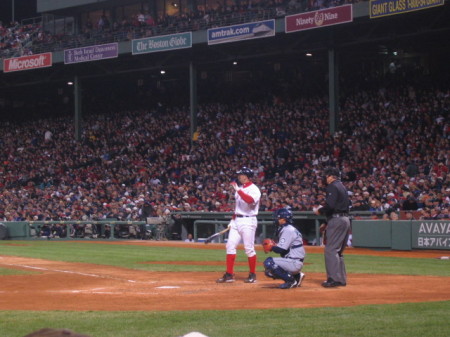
(332, 171)
(245, 171)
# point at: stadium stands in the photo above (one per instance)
(392, 149)
(392, 144)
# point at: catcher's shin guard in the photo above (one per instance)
(274, 271)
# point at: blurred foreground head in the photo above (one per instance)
(46, 332)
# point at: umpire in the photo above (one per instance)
(336, 210)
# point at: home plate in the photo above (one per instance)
(168, 287)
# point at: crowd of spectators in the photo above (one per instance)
(18, 40)
(392, 148)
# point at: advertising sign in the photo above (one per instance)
(91, 53)
(380, 8)
(317, 19)
(431, 234)
(254, 30)
(161, 43)
(27, 62)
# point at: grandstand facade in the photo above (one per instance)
(363, 45)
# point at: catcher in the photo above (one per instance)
(290, 246)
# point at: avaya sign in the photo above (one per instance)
(27, 62)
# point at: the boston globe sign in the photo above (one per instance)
(161, 43)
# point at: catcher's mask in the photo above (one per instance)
(282, 213)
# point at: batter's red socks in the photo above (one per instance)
(252, 264)
(230, 263)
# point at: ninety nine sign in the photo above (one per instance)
(318, 19)
(91, 53)
(27, 62)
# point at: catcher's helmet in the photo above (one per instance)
(245, 171)
(332, 171)
(282, 213)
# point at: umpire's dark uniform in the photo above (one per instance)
(336, 210)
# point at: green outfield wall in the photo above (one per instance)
(401, 234)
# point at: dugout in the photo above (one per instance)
(203, 224)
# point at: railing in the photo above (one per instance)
(33, 229)
(385, 234)
(130, 33)
(109, 227)
(177, 25)
(127, 34)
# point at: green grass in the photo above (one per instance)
(129, 256)
(399, 320)
(397, 265)
(7, 271)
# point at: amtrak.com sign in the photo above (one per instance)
(246, 31)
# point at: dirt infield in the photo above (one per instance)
(77, 286)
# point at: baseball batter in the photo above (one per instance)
(243, 225)
(288, 266)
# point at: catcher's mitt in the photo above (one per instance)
(267, 245)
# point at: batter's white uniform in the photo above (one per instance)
(244, 222)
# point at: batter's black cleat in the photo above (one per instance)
(289, 285)
(226, 278)
(299, 278)
(251, 278)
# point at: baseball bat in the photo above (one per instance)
(210, 238)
